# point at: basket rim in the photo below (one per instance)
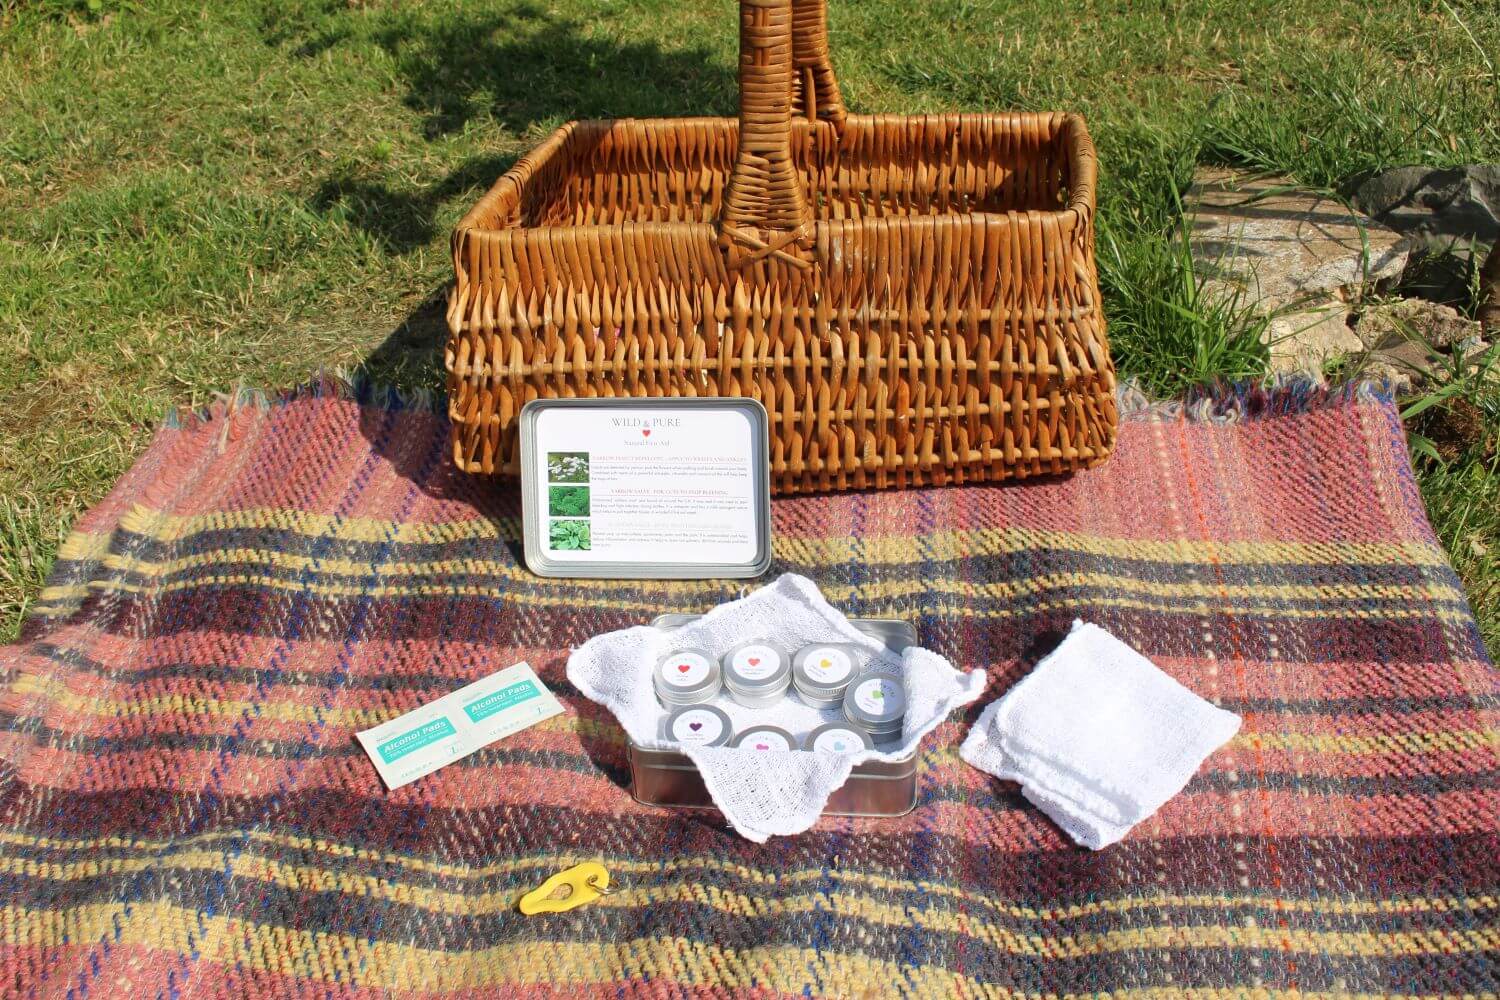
(1073, 130)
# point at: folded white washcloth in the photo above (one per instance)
(1097, 736)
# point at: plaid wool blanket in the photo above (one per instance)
(184, 811)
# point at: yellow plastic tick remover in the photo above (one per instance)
(568, 889)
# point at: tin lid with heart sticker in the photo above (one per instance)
(757, 666)
(876, 701)
(699, 725)
(826, 668)
(687, 677)
(764, 738)
(837, 737)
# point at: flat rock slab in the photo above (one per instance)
(1306, 340)
(1277, 246)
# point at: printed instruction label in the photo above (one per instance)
(455, 725)
(648, 485)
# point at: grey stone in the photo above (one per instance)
(1442, 210)
(1271, 244)
(1406, 365)
(1391, 323)
(1471, 347)
(1399, 377)
(1307, 340)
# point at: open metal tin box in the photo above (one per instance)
(752, 555)
(875, 788)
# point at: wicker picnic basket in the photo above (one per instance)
(913, 298)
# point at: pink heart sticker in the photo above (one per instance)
(645, 432)
(683, 668)
(695, 726)
(762, 746)
(755, 661)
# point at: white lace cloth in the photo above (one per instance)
(764, 793)
(1098, 736)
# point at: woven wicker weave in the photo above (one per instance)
(914, 299)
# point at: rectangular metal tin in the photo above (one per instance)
(896, 633)
(533, 524)
(876, 788)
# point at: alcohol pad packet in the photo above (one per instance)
(455, 725)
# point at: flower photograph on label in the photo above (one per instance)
(567, 466)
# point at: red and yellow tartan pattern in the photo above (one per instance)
(184, 812)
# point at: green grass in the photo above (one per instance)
(193, 196)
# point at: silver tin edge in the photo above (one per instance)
(804, 682)
(728, 724)
(845, 801)
(845, 726)
(851, 708)
(791, 741)
(895, 633)
(536, 556)
(779, 680)
(821, 704)
(706, 690)
(765, 700)
(698, 699)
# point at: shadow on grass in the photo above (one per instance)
(411, 356)
(529, 66)
(527, 69)
(401, 219)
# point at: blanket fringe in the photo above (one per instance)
(1218, 403)
(340, 384)
(1233, 402)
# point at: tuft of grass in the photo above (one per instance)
(1462, 494)
(1346, 117)
(31, 529)
(1169, 328)
(1463, 404)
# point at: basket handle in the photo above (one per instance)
(783, 64)
(815, 90)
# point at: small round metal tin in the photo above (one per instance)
(699, 725)
(837, 737)
(757, 673)
(686, 677)
(876, 703)
(822, 672)
(764, 738)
